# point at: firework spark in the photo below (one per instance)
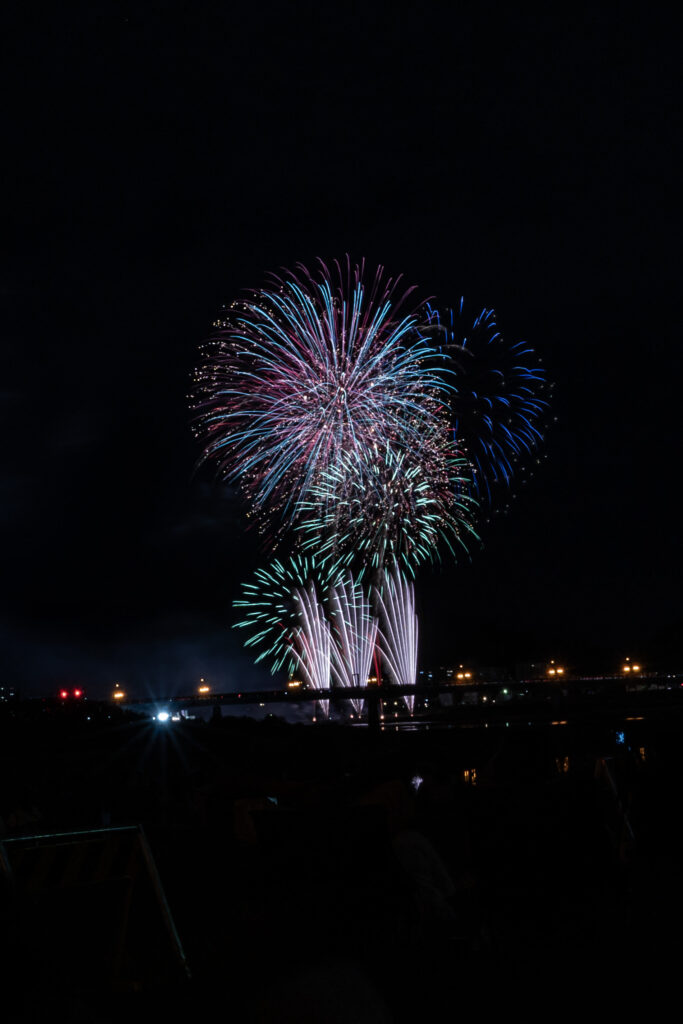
(272, 607)
(398, 633)
(355, 635)
(311, 643)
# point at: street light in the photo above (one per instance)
(203, 688)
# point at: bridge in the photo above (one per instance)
(570, 688)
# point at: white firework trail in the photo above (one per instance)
(355, 633)
(395, 600)
(311, 643)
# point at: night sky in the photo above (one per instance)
(161, 158)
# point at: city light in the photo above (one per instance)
(118, 694)
(163, 716)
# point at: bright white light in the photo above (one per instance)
(163, 716)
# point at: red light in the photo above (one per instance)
(78, 693)
(63, 694)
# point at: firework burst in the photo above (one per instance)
(396, 508)
(500, 397)
(371, 430)
(311, 375)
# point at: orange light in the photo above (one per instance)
(204, 689)
(119, 695)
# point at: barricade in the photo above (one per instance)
(87, 909)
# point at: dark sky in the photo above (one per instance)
(160, 158)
